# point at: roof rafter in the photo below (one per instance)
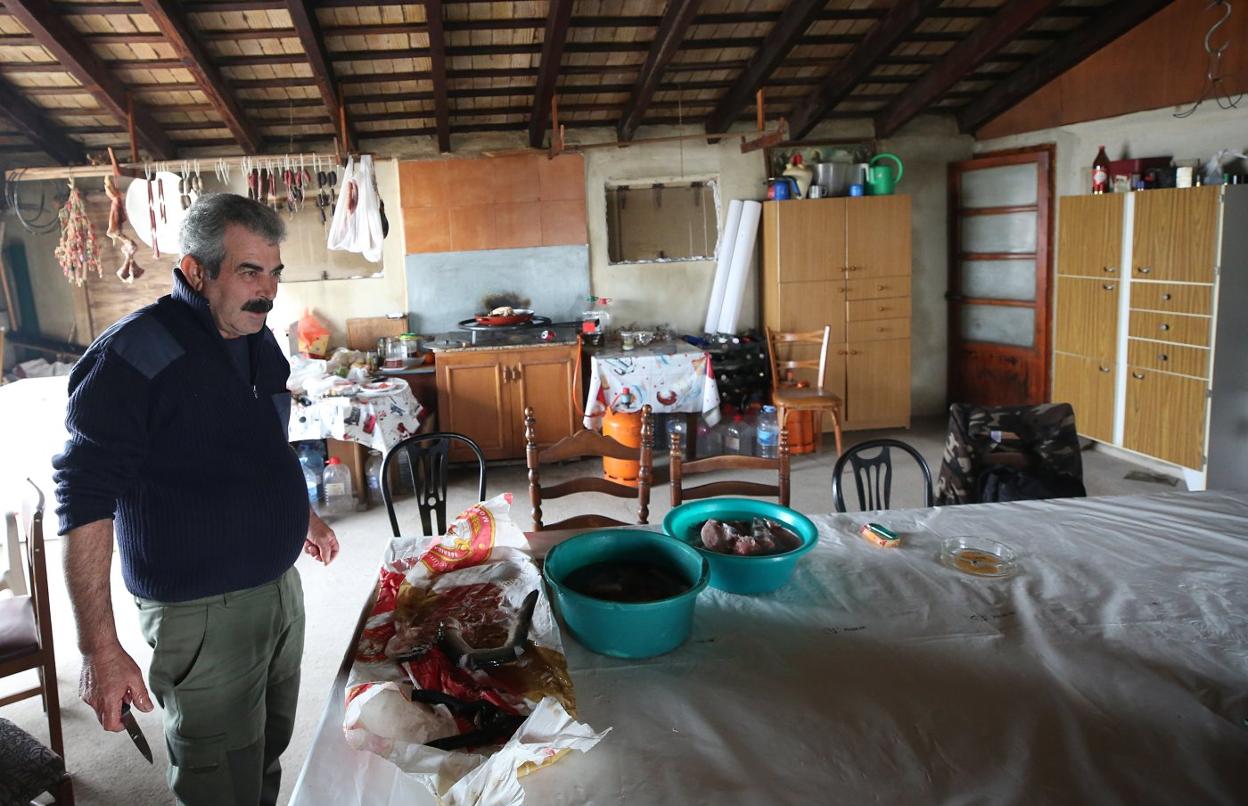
(33, 122)
(987, 38)
(437, 73)
(1098, 32)
(558, 15)
(877, 44)
(677, 18)
(177, 32)
(783, 36)
(307, 28)
(65, 44)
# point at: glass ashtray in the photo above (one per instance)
(978, 556)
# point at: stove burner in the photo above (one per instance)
(475, 327)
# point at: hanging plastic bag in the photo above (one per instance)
(313, 336)
(357, 216)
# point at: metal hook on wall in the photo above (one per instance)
(1215, 81)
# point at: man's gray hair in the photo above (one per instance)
(203, 229)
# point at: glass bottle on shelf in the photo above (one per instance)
(1100, 172)
(595, 320)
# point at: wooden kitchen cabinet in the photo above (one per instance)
(1150, 354)
(482, 393)
(845, 263)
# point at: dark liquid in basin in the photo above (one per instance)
(626, 581)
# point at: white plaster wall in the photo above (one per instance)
(59, 304)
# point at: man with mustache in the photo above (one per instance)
(178, 421)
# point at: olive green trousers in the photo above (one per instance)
(225, 669)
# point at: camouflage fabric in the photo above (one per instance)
(1038, 438)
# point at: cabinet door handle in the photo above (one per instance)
(1139, 376)
(1103, 368)
(515, 373)
(1145, 270)
(1165, 326)
(1109, 269)
(1109, 286)
(881, 288)
(1163, 357)
(1165, 295)
(506, 374)
(851, 268)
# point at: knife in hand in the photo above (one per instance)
(132, 728)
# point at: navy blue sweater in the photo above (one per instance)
(189, 458)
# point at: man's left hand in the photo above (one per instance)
(321, 543)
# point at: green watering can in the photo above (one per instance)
(880, 178)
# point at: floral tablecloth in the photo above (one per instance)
(377, 422)
(624, 381)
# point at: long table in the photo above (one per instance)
(1113, 667)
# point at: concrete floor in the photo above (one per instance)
(108, 770)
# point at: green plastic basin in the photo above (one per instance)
(625, 629)
(735, 573)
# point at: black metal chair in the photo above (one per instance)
(428, 455)
(873, 475)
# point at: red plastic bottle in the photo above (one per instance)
(1100, 172)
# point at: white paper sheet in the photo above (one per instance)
(742, 260)
(723, 264)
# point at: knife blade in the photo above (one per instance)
(136, 734)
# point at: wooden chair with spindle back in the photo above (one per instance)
(678, 469)
(589, 443)
(816, 398)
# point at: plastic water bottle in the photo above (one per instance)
(372, 474)
(339, 499)
(313, 481)
(739, 437)
(768, 433)
(710, 440)
(676, 425)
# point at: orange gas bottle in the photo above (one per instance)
(624, 428)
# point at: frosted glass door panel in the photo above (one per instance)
(1006, 186)
(999, 279)
(1010, 232)
(999, 325)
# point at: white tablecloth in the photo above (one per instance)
(1113, 668)
(670, 377)
(379, 423)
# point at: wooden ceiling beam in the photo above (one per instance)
(879, 42)
(306, 26)
(668, 38)
(437, 73)
(65, 44)
(987, 38)
(558, 16)
(32, 121)
(178, 34)
(1114, 21)
(775, 47)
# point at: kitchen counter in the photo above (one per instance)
(457, 341)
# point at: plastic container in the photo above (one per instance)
(767, 434)
(741, 573)
(312, 480)
(620, 629)
(739, 437)
(676, 425)
(339, 499)
(372, 475)
(710, 440)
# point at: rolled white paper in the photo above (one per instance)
(723, 263)
(742, 260)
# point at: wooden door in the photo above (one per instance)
(1165, 416)
(877, 236)
(545, 378)
(1087, 384)
(1089, 235)
(1087, 317)
(1174, 234)
(877, 384)
(810, 306)
(472, 400)
(809, 239)
(999, 278)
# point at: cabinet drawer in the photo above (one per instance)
(877, 287)
(1176, 358)
(870, 309)
(876, 329)
(1172, 298)
(1192, 330)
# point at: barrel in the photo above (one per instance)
(624, 428)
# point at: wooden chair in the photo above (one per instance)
(26, 622)
(589, 443)
(815, 398)
(28, 769)
(678, 469)
(428, 456)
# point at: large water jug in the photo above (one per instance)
(339, 497)
(312, 480)
(372, 473)
(739, 437)
(767, 434)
